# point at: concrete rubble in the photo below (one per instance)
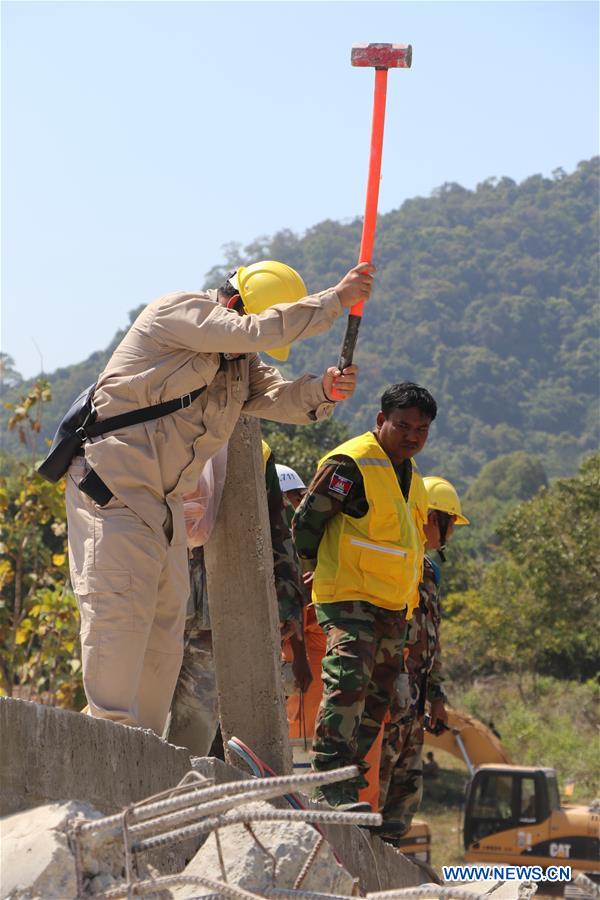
(49, 756)
(37, 859)
(268, 855)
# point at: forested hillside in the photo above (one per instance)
(488, 297)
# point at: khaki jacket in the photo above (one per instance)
(175, 346)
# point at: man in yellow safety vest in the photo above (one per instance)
(360, 528)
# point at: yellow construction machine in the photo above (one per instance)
(513, 814)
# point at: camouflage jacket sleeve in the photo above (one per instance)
(337, 487)
(286, 570)
(432, 600)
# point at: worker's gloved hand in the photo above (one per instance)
(344, 382)
(438, 716)
(355, 285)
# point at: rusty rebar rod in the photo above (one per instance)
(311, 816)
(256, 788)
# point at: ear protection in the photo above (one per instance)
(236, 303)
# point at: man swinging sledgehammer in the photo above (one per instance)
(127, 543)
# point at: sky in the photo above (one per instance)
(138, 138)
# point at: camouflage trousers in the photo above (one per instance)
(359, 671)
(195, 707)
(401, 773)
(194, 718)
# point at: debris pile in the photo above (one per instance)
(71, 851)
(38, 858)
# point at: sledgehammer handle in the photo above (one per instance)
(370, 218)
(350, 338)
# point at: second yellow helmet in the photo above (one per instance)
(441, 494)
(265, 284)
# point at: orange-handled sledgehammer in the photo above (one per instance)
(382, 57)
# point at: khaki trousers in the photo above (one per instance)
(132, 588)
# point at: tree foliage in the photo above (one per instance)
(38, 611)
(536, 605)
(301, 447)
(487, 296)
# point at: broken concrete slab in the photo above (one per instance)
(267, 855)
(35, 853)
(39, 860)
(51, 755)
(377, 865)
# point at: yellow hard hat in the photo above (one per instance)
(442, 495)
(263, 284)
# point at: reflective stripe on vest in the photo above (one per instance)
(378, 557)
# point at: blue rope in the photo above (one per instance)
(260, 773)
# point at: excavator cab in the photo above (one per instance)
(502, 798)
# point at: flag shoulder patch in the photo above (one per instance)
(339, 484)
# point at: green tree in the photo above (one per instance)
(488, 297)
(38, 611)
(537, 604)
(302, 446)
(498, 488)
(9, 377)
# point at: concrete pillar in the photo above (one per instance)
(243, 608)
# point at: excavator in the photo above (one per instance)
(513, 814)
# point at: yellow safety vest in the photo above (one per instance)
(266, 452)
(378, 557)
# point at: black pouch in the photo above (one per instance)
(70, 436)
(92, 485)
(81, 422)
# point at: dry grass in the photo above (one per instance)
(442, 806)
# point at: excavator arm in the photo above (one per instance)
(468, 739)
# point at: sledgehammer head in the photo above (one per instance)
(382, 56)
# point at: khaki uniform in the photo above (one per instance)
(128, 558)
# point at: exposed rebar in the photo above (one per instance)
(293, 894)
(164, 881)
(215, 807)
(220, 855)
(75, 847)
(271, 856)
(308, 863)
(255, 786)
(582, 881)
(427, 890)
(526, 890)
(331, 817)
(127, 850)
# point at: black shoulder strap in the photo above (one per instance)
(146, 414)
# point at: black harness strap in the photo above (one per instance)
(137, 416)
